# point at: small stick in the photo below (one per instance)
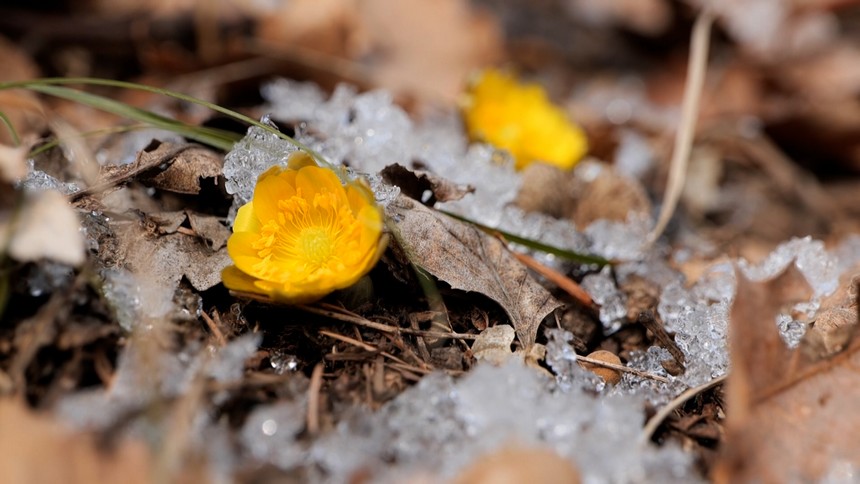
(696, 69)
(564, 283)
(364, 346)
(354, 319)
(216, 332)
(660, 416)
(647, 319)
(314, 400)
(626, 369)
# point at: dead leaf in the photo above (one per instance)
(188, 167)
(514, 464)
(13, 163)
(493, 345)
(791, 417)
(424, 186)
(470, 260)
(210, 229)
(167, 258)
(152, 160)
(37, 449)
(47, 227)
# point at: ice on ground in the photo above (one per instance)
(134, 302)
(258, 151)
(441, 425)
(809, 256)
(143, 377)
(366, 131)
(39, 180)
(624, 241)
(613, 303)
(49, 276)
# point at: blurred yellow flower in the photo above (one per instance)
(303, 235)
(521, 119)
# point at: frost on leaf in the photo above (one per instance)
(468, 259)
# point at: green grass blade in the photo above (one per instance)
(51, 81)
(53, 143)
(213, 137)
(5, 119)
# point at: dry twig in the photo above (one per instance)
(689, 113)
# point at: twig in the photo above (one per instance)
(355, 319)
(647, 319)
(314, 400)
(362, 345)
(670, 407)
(216, 332)
(564, 283)
(626, 369)
(146, 161)
(689, 112)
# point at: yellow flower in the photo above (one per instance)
(521, 119)
(303, 235)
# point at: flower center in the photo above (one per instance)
(315, 244)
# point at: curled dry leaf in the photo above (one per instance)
(468, 259)
(791, 413)
(188, 167)
(13, 163)
(46, 227)
(417, 183)
(38, 449)
(167, 258)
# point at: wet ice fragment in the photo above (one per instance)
(252, 155)
(613, 304)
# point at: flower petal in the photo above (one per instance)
(246, 219)
(312, 179)
(272, 187)
(241, 250)
(236, 280)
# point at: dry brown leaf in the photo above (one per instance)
(37, 449)
(167, 258)
(468, 259)
(188, 167)
(151, 161)
(791, 413)
(13, 163)
(514, 464)
(419, 184)
(47, 227)
(210, 229)
(493, 345)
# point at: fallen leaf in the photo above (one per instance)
(13, 163)
(167, 258)
(514, 464)
(493, 345)
(791, 414)
(47, 227)
(210, 229)
(468, 259)
(188, 167)
(36, 449)
(151, 161)
(424, 186)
